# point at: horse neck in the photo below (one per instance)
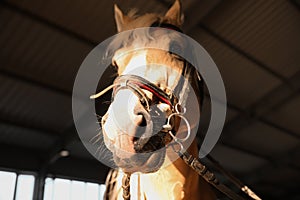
(176, 181)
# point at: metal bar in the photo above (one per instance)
(16, 186)
(39, 184)
(31, 128)
(36, 188)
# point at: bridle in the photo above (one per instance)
(139, 86)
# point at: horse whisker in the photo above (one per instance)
(99, 135)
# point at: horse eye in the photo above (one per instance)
(175, 48)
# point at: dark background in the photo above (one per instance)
(255, 44)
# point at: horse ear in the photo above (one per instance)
(119, 18)
(174, 13)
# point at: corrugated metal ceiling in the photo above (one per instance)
(255, 44)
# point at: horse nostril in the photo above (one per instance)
(143, 121)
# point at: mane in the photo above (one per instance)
(139, 21)
(128, 39)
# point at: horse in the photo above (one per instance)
(125, 126)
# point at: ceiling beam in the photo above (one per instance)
(21, 125)
(10, 157)
(265, 105)
(79, 169)
(32, 82)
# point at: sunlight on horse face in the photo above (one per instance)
(127, 122)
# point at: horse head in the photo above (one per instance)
(143, 99)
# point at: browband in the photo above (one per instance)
(167, 26)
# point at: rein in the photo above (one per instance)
(210, 177)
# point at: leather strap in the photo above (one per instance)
(208, 176)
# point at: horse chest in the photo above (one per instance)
(153, 186)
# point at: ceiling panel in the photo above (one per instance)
(287, 115)
(245, 82)
(295, 158)
(36, 51)
(24, 137)
(33, 105)
(87, 18)
(266, 30)
(96, 18)
(78, 150)
(264, 139)
(235, 160)
(267, 191)
(206, 115)
(282, 175)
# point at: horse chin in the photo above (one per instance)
(141, 162)
(130, 162)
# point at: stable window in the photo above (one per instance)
(7, 185)
(25, 185)
(65, 189)
(18, 187)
